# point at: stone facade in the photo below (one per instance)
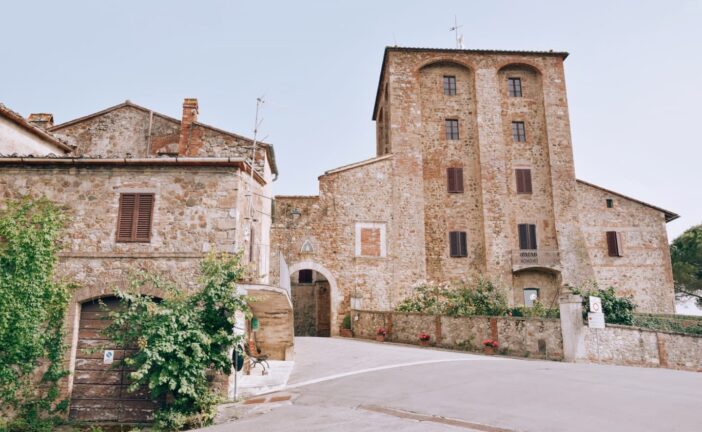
(403, 193)
(206, 197)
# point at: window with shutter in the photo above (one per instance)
(458, 243)
(455, 180)
(527, 236)
(135, 217)
(614, 244)
(523, 181)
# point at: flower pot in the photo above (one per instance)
(380, 338)
(423, 342)
(489, 350)
(346, 332)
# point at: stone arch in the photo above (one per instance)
(337, 296)
(79, 297)
(442, 61)
(519, 65)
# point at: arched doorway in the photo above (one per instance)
(328, 310)
(100, 380)
(311, 299)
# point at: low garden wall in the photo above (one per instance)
(624, 345)
(517, 336)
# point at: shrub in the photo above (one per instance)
(181, 338)
(32, 311)
(346, 324)
(459, 300)
(617, 310)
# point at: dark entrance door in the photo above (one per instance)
(323, 310)
(100, 389)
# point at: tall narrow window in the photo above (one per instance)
(614, 244)
(458, 244)
(527, 236)
(518, 131)
(523, 180)
(252, 245)
(451, 129)
(449, 85)
(135, 217)
(531, 295)
(610, 203)
(455, 180)
(514, 87)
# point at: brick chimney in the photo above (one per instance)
(190, 110)
(42, 120)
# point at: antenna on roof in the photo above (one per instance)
(455, 28)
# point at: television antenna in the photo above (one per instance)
(459, 36)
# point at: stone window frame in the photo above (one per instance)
(383, 238)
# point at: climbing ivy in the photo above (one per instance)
(32, 312)
(181, 339)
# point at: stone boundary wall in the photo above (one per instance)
(635, 346)
(517, 336)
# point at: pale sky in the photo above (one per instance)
(634, 74)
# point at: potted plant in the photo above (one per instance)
(424, 338)
(380, 334)
(346, 327)
(490, 346)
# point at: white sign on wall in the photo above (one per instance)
(595, 304)
(108, 357)
(595, 320)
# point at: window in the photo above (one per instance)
(614, 244)
(458, 244)
(514, 87)
(135, 217)
(252, 245)
(305, 277)
(531, 296)
(455, 180)
(518, 131)
(610, 203)
(527, 236)
(451, 129)
(450, 85)
(523, 180)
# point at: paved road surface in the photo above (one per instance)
(352, 385)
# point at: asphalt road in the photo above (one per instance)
(352, 385)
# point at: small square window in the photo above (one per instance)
(610, 203)
(305, 277)
(518, 131)
(449, 85)
(531, 296)
(451, 129)
(514, 87)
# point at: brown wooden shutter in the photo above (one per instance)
(144, 217)
(451, 180)
(455, 180)
(523, 181)
(463, 243)
(135, 217)
(532, 237)
(125, 218)
(459, 180)
(613, 248)
(523, 236)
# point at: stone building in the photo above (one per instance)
(147, 191)
(473, 176)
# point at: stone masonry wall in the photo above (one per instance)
(528, 337)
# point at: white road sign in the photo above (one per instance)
(108, 357)
(595, 304)
(595, 320)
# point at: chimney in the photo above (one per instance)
(190, 110)
(42, 120)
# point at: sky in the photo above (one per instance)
(633, 77)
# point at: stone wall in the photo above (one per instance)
(634, 346)
(524, 337)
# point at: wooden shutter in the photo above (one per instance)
(613, 244)
(463, 242)
(532, 236)
(458, 244)
(523, 236)
(135, 217)
(523, 181)
(455, 180)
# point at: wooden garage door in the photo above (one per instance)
(99, 389)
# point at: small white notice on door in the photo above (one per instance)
(108, 357)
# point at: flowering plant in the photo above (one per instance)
(424, 336)
(381, 331)
(491, 343)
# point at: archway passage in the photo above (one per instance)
(100, 378)
(311, 298)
